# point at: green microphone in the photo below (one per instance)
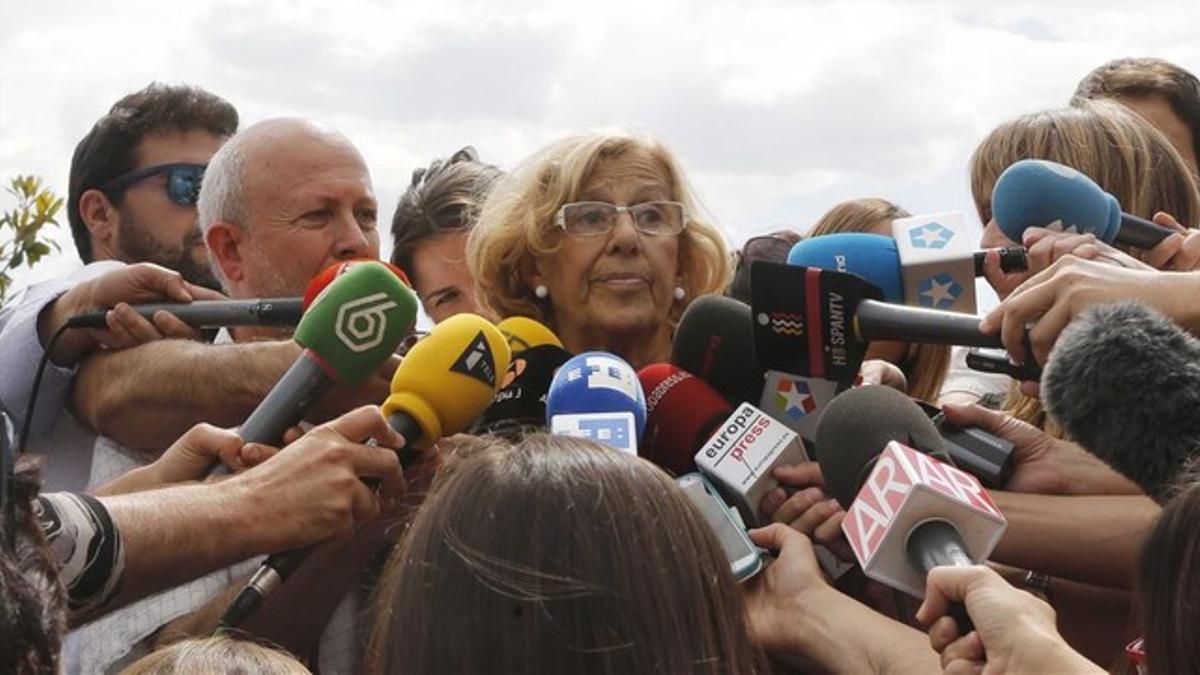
(349, 330)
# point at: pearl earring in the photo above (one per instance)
(541, 291)
(680, 294)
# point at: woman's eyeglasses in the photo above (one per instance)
(183, 181)
(591, 219)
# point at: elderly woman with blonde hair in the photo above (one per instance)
(599, 237)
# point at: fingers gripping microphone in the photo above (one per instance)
(445, 381)
(1124, 382)
(715, 342)
(351, 328)
(907, 511)
(682, 412)
(1039, 193)
(596, 395)
(210, 313)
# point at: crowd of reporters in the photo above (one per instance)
(485, 544)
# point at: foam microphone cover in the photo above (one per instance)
(857, 425)
(873, 257)
(682, 412)
(597, 382)
(357, 321)
(327, 275)
(1040, 193)
(449, 378)
(715, 342)
(523, 333)
(520, 405)
(1124, 382)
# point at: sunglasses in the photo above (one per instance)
(772, 247)
(183, 181)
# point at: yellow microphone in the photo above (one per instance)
(523, 333)
(446, 380)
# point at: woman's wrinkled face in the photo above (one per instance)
(623, 280)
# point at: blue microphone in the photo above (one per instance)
(1039, 193)
(871, 256)
(597, 395)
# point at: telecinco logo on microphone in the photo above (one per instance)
(361, 324)
(939, 291)
(793, 398)
(931, 235)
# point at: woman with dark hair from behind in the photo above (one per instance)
(558, 555)
(1169, 581)
(430, 227)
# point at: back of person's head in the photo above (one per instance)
(32, 602)
(772, 247)
(443, 197)
(1128, 78)
(558, 555)
(216, 656)
(1169, 583)
(1112, 145)
(859, 215)
(110, 148)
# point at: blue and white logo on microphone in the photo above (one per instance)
(615, 429)
(939, 291)
(931, 235)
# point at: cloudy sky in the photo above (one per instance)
(778, 109)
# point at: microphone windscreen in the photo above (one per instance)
(682, 411)
(871, 256)
(1124, 382)
(596, 382)
(523, 333)
(1040, 193)
(857, 425)
(449, 377)
(520, 405)
(327, 275)
(715, 342)
(358, 320)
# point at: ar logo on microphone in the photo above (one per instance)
(477, 362)
(939, 291)
(361, 324)
(931, 235)
(793, 398)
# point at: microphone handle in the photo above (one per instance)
(285, 405)
(212, 313)
(935, 543)
(1140, 232)
(406, 425)
(876, 320)
(1012, 259)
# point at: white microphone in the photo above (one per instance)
(937, 262)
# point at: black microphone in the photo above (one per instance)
(212, 313)
(715, 342)
(1124, 382)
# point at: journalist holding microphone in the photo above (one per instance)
(598, 236)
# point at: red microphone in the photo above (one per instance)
(327, 275)
(682, 412)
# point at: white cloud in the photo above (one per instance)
(778, 109)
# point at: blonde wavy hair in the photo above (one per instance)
(925, 366)
(516, 224)
(1112, 145)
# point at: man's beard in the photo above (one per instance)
(135, 244)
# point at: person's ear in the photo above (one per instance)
(103, 221)
(226, 245)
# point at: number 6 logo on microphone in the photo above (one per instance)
(361, 324)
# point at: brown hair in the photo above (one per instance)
(442, 197)
(219, 654)
(558, 555)
(516, 225)
(1115, 147)
(925, 365)
(1137, 77)
(1169, 584)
